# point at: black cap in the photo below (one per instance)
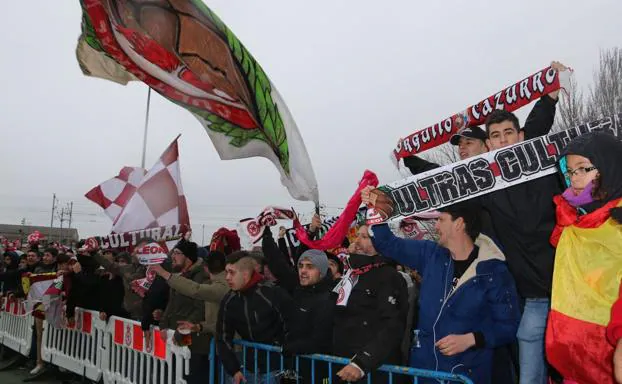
(471, 133)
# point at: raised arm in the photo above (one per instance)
(280, 268)
(411, 253)
(541, 118)
(416, 164)
(211, 291)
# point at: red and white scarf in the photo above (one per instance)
(510, 99)
(254, 228)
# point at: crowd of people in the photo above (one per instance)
(521, 286)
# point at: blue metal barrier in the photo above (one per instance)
(390, 371)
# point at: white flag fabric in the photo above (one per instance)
(113, 194)
(159, 198)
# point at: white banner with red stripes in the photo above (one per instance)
(479, 175)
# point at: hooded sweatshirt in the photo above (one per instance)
(588, 268)
(9, 276)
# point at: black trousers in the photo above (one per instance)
(199, 369)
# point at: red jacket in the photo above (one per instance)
(614, 329)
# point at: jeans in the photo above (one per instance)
(533, 369)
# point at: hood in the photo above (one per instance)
(488, 250)
(195, 268)
(605, 153)
(14, 260)
(88, 264)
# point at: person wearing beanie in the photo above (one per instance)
(312, 267)
(187, 249)
(310, 285)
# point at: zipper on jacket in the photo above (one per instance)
(248, 319)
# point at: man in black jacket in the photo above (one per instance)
(255, 310)
(111, 291)
(370, 317)
(310, 287)
(524, 217)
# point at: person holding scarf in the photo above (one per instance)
(370, 316)
(588, 259)
(468, 301)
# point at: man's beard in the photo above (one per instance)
(177, 268)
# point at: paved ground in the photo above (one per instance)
(18, 374)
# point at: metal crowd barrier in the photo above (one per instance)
(318, 364)
(119, 353)
(16, 326)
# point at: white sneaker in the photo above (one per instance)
(36, 370)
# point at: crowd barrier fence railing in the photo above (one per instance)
(119, 352)
(326, 366)
(134, 358)
(16, 326)
(78, 348)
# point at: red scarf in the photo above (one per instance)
(567, 215)
(363, 270)
(256, 278)
(335, 235)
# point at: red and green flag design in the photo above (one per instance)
(183, 51)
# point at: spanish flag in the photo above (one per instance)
(588, 270)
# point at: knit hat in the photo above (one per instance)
(189, 249)
(317, 258)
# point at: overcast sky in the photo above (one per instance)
(356, 74)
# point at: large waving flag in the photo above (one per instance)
(113, 194)
(183, 51)
(158, 200)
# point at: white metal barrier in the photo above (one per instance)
(135, 359)
(16, 326)
(78, 348)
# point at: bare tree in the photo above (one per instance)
(442, 155)
(605, 97)
(570, 109)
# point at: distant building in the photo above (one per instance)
(14, 232)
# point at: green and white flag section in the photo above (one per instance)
(183, 51)
(481, 174)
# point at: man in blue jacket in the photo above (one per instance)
(468, 301)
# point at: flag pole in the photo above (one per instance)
(142, 163)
